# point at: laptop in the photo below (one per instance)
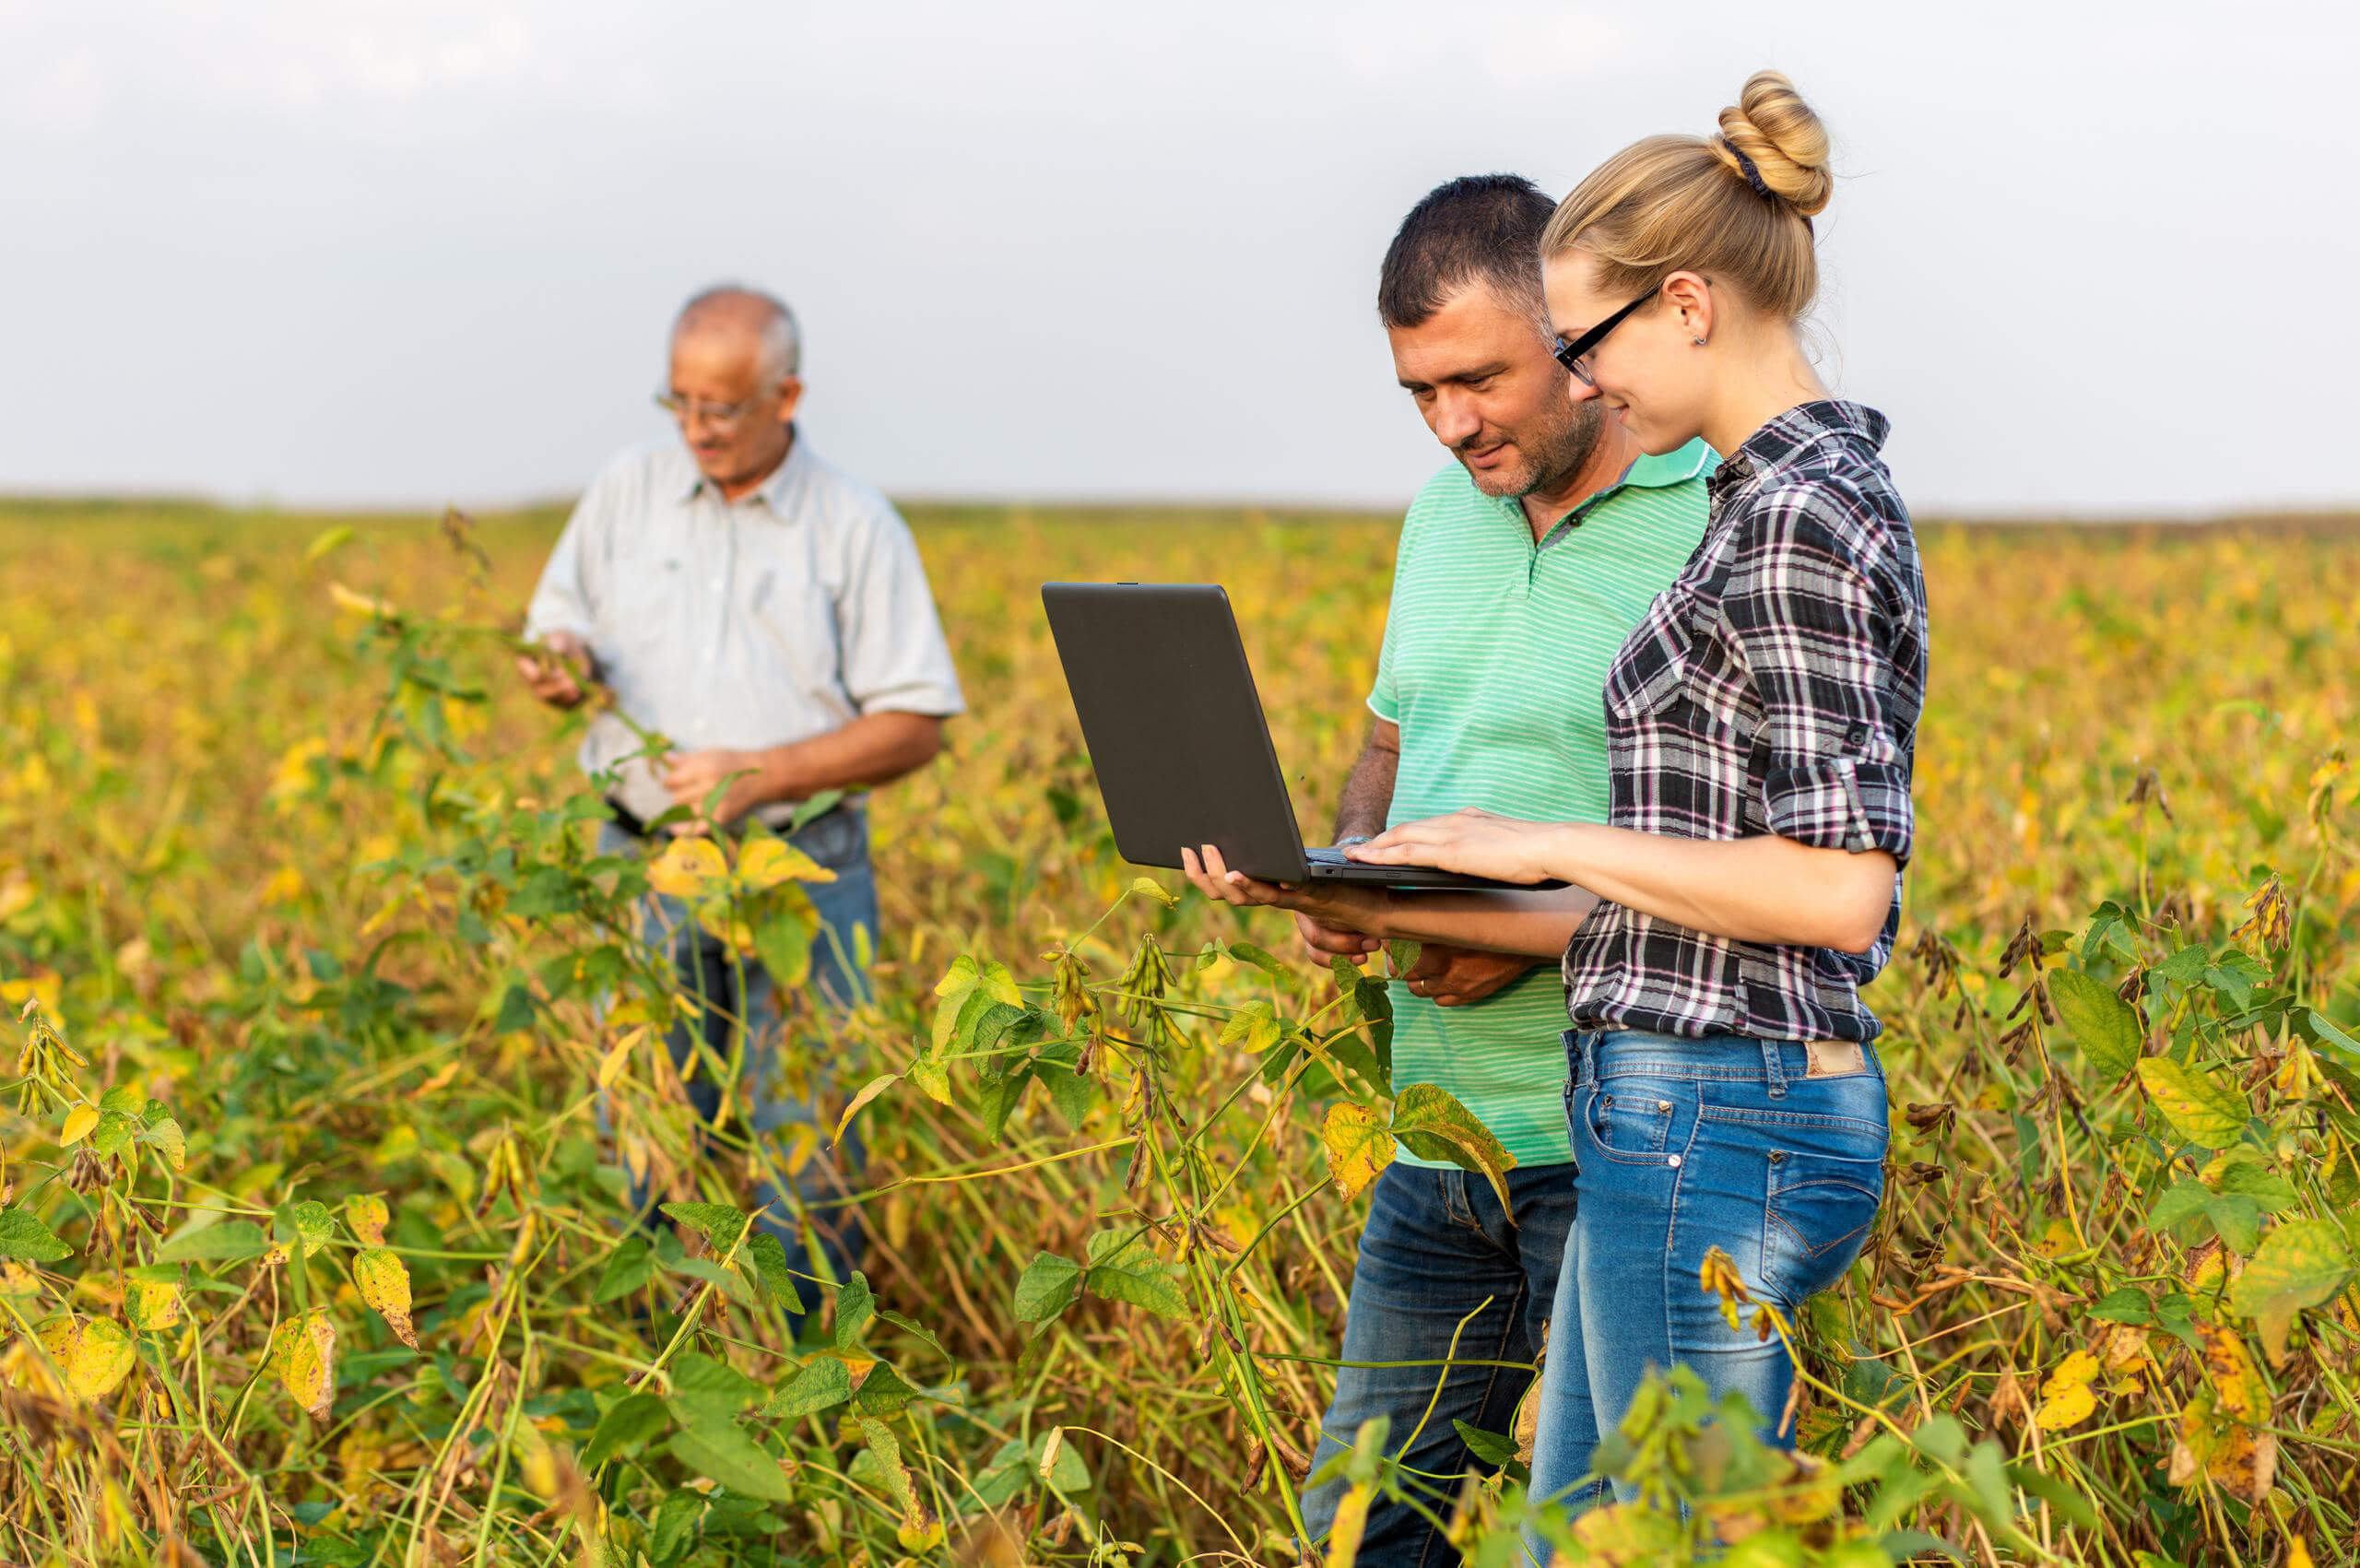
(1176, 730)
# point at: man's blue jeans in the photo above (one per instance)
(1438, 1259)
(793, 1059)
(1772, 1152)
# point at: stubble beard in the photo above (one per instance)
(1556, 451)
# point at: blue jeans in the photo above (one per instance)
(780, 1084)
(1438, 1258)
(1685, 1145)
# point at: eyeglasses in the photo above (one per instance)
(1572, 355)
(686, 409)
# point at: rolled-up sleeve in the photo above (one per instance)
(1818, 641)
(895, 658)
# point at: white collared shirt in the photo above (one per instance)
(754, 623)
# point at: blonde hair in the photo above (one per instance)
(1736, 207)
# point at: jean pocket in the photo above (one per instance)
(1631, 1120)
(1825, 1183)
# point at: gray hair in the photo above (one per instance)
(782, 340)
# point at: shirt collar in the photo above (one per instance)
(772, 492)
(1797, 430)
(1648, 471)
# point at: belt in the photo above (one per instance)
(630, 821)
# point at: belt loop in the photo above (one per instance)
(1773, 1066)
(1572, 1039)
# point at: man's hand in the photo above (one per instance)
(693, 775)
(557, 672)
(1452, 977)
(1333, 941)
(1338, 906)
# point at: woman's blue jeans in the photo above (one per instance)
(1773, 1151)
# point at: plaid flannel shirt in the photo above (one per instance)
(1774, 687)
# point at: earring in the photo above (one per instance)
(1699, 342)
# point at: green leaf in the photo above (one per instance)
(2300, 1264)
(705, 1389)
(1048, 1286)
(2235, 975)
(2186, 966)
(821, 1384)
(1493, 1448)
(783, 941)
(856, 1304)
(625, 1429)
(676, 1526)
(304, 1226)
(1432, 1125)
(2182, 1200)
(2271, 1191)
(2237, 1219)
(718, 1223)
(231, 1241)
(767, 1255)
(2326, 1033)
(2200, 1110)
(884, 1393)
(1247, 952)
(23, 1236)
(515, 1011)
(2104, 1023)
(2126, 1304)
(718, 1450)
(2056, 1493)
(1147, 1282)
(629, 1268)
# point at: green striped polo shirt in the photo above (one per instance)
(1495, 668)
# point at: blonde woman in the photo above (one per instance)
(1725, 1091)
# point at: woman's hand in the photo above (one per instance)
(1476, 843)
(1340, 906)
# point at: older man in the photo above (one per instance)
(1521, 568)
(770, 616)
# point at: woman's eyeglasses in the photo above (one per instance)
(1575, 355)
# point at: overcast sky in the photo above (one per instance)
(2092, 259)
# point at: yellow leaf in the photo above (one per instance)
(360, 603)
(2067, 1399)
(78, 1122)
(1352, 1523)
(1050, 1450)
(367, 1214)
(1149, 888)
(2068, 1407)
(2299, 1553)
(94, 1353)
(385, 1285)
(302, 1352)
(686, 868)
(1359, 1145)
(155, 1304)
(765, 863)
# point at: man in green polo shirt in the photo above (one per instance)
(1522, 566)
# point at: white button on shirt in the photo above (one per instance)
(753, 623)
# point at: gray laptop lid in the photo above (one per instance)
(1173, 725)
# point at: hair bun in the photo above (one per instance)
(1776, 130)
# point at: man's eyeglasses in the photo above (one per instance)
(687, 408)
(1575, 356)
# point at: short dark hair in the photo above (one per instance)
(1479, 229)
